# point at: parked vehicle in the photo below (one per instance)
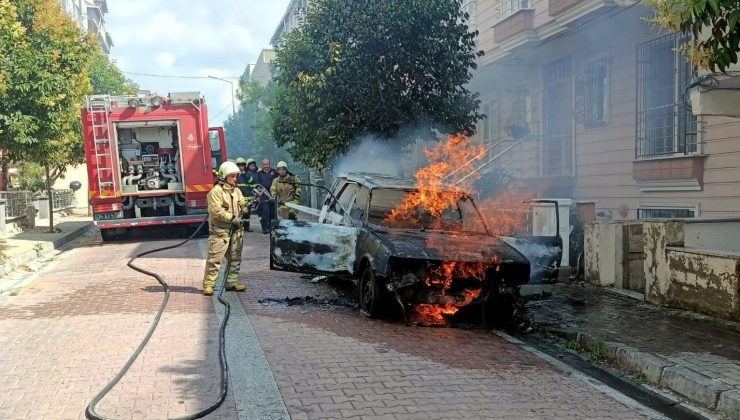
(444, 265)
(149, 160)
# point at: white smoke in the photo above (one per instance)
(369, 155)
(382, 156)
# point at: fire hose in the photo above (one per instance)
(91, 410)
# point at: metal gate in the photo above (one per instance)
(557, 119)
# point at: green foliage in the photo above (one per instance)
(107, 79)
(569, 344)
(372, 67)
(714, 24)
(31, 177)
(43, 79)
(639, 378)
(598, 352)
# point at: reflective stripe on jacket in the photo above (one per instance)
(288, 193)
(246, 183)
(224, 203)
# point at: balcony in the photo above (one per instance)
(515, 24)
(555, 7)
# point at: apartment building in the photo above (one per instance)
(261, 70)
(90, 17)
(586, 100)
(294, 15)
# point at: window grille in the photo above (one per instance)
(592, 93)
(664, 125)
(666, 213)
(512, 6)
(518, 125)
(489, 129)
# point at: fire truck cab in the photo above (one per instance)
(150, 159)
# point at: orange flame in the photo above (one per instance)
(506, 213)
(435, 194)
(450, 175)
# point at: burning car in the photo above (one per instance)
(435, 264)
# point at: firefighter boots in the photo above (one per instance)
(236, 287)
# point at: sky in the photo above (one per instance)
(191, 38)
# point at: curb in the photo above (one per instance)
(694, 386)
(33, 254)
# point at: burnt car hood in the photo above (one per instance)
(445, 246)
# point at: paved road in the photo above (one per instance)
(66, 334)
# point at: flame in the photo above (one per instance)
(449, 162)
(506, 213)
(437, 314)
(441, 184)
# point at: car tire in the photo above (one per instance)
(370, 294)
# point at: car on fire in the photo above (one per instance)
(433, 267)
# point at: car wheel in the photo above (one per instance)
(370, 294)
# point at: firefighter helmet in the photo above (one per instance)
(241, 160)
(227, 168)
(250, 161)
(282, 164)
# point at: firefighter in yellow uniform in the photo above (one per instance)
(284, 188)
(226, 204)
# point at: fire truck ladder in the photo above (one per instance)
(99, 108)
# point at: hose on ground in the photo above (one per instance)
(91, 410)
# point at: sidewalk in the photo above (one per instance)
(21, 248)
(694, 356)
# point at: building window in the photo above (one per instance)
(592, 93)
(510, 7)
(489, 125)
(518, 125)
(667, 212)
(665, 125)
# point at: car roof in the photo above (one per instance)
(374, 181)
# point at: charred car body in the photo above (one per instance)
(433, 268)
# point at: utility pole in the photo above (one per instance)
(233, 106)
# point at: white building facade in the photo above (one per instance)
(90, 17)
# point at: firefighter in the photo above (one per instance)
(284, 189)
(225, 208)
(265, 177)
(246, 182)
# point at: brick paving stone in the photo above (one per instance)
(385, 369)
(69, 331)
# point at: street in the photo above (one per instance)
(67, 333)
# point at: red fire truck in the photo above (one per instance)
(150, 160)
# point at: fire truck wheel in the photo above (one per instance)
(370, 294)
(109, 235)
(113, 234)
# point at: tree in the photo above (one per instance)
(714, 25)
(107, 78)
(248, 132)
(43, 67)
(372, 67)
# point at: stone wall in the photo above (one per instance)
(700, 280)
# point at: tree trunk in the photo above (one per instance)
(51, 199)
(4, 167)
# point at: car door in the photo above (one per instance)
(544, 251)
(316, 248)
